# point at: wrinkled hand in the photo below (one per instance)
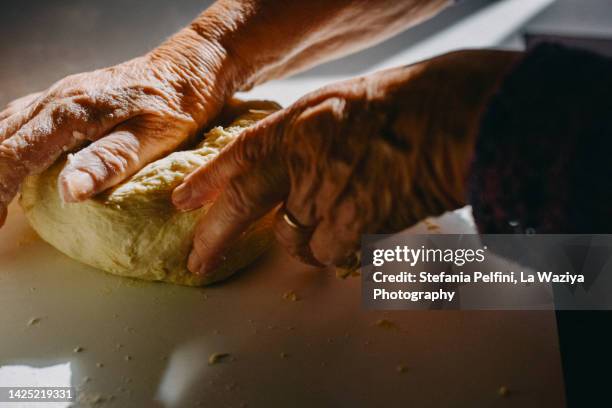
(132, 114)
(371, 155)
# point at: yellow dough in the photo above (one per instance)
(133, 230)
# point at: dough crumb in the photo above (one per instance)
(217, 358)
(128, 358)
(283, 354)
(92, 399)
(401, 368)
(34, 321)
(291, 295)
(431, 226)
(503, 391)
(342, 273)
(99, 365)
(78, 349)
(386, 324)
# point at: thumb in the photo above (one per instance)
(256, 146)
(112, 159)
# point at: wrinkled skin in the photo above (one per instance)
(137, 111)
(132, 114)
(370, 155)
(375, 154)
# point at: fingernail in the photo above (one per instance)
(181, 196)
(194, 264)
(197, 267)
(76, 186)
(210, 266)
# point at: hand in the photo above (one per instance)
(371, 155)
(132, 114)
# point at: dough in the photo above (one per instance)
(133, 230)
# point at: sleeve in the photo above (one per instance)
(543, 157)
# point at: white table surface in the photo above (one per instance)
(336, 354)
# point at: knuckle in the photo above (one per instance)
(319, 125)
(329, 111)
(321, 249)
(62, 111)
(80, 108)
(197, 181)
(239, 200)
(244, 152)
(114, 157)
(201, 242)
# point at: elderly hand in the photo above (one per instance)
(371, 155)
(132, 114)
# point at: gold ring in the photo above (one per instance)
(290, 220)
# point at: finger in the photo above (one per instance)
(295, 238)
(112, 159)
(28, 151)
(245, 200)
(255, 144)
(336, 239)
(19, 104)
(14, 122)
(38, 143)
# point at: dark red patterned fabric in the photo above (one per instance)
(543, 160)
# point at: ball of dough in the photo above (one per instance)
(133, 230)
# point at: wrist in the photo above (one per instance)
(199, 69)
(473, 77)
(440, 102)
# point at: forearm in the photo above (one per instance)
(259, 40)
